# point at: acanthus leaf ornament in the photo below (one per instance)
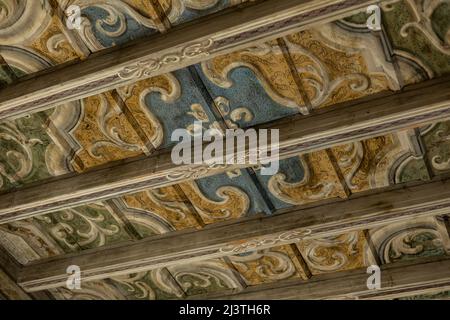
(195, 172)
(262, 243)
(146, 68)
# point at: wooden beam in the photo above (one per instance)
(372, 116)
(185, 45)
(10, 290)
(9, 270)
(401, 279)
(362, 211)
(8, 263)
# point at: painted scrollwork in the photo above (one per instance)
(160, 211)
(267, 265)
(150, 285)
(266, 242)
(176, 9)
(406, 241)
(54, 44)
(104, 133)
(22, 20)
(32, 27)
(437, 141)
(146, 68)
(336, 65)
(420, 34)
(195, 172)
(83, 227)
(202, 277)
(235, 202)
(423, 11)
(267, 62)
(317, 183)
(111, 23)
(238, 114)
(334, 253)
(368, 164)
(105, 117)
(17, 153)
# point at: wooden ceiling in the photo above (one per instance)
(86, 176)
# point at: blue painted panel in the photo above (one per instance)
(134, 30)
(192, 14)
(247, 91)
(293, 170)
(209, 186)
(175, 115)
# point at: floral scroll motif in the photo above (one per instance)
(147, 68)
(334, 253)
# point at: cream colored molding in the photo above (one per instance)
(147, 68)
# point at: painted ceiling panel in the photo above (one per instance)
(336, 65)
(312, 69)
(419, 33)
(252, 86)
(205, 277)
(109, 23)
(225, 196)
(24, 146)
(337, 253)
(380, 162)
(66, 231)
(35, 39)
(401, 241)
(437, 141)
(159, 211)
(271, 265)
(151, 285)
(83, 227)
(303, 179)
(424, 237)
(181, 11)
(337, 172)
(103, 133)
(168, 102)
